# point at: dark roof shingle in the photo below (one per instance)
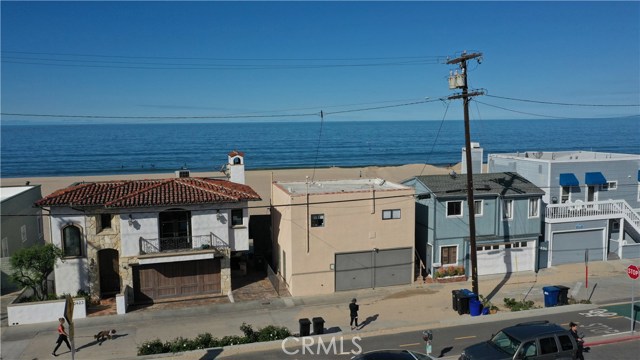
(504, 184)
(150, 193)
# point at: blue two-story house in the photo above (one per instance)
(508, 223)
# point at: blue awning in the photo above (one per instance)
(568, 179)
(594, 178)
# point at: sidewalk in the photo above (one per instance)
(394, 309)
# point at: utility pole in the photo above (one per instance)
(460, 81)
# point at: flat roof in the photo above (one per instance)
(7, 192)
(337, 186)
(567, 156)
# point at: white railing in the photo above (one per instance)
(605, 209)
(182, 243)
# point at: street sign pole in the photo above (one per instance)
(633, 273)
(586, 268)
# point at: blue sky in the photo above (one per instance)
(148, 59)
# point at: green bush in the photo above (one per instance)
(206, 340)
(271, 332)
(514, 305)
(152, 347)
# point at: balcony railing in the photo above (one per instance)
(181, 243)
(602, 209)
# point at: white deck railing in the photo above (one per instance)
(601, 209)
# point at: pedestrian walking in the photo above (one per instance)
(353, 309)
(574, 332)
(62, 336)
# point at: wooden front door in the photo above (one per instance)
(109, 274)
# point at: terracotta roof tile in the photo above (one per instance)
(150, 193)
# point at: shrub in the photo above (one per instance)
(249, 333)
(452, 271)
(514, 305)
(151, 347)
(272, 332)
(460, 270)
(204, 341)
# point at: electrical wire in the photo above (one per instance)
(561, 103)
(437, 135)
(315, 163)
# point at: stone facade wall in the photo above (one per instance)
(99, 239)
(109, 238)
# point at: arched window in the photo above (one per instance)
(237, 161)
(71, 241)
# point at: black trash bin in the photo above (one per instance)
(318, 325)
(454, 299)
(305, 327)
(464, 297)
(563, 294)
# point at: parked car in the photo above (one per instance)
(392, 355)
(537, 340)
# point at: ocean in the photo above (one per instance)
(98, 149)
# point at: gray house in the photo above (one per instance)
(507, 213)
(21, 224)
(591, 202)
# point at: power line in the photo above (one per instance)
(561, 103)
(432, 57)
(436, 138)
(548, 116)
(235, 116)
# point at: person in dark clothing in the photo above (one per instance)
(574, 332)
(353, 309)
(62, 336)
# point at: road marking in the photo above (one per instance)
(464, 337)
(405, 345)
(616, 317)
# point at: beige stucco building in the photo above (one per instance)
(341, 235)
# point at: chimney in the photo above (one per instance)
(476, 159)
(236, 167)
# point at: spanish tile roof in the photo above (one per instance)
(503, 183)
(150, 193)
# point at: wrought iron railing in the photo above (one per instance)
(181, 243)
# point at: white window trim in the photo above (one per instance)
(481, 207)
(461, 209)
(609, 186)
(537, 208)
(457, 253)
(504, 208)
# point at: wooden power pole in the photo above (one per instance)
(460, 81)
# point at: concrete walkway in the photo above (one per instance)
(393, 309)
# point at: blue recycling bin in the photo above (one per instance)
(475, 307)
(550, 296)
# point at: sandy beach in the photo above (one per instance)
(259, 180)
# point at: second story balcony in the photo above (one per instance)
(181, 244)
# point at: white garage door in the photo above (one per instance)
(506, 258)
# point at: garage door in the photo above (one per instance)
(176, 279)
(569, 247)
(366, 269)
(506, 258)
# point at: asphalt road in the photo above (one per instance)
(449, 342)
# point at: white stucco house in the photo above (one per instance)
(151, 239)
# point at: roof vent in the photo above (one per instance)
(452, 174)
